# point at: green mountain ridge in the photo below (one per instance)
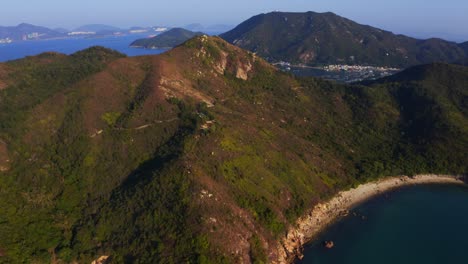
(168, 39)
(203, 154)
(325, 38)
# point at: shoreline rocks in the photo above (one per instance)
(328, 244)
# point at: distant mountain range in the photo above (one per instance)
(168, 39)
(31, 32)
(98, 28)
(28, 32)
(326, 38)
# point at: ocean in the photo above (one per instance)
(17, 50)
(418, 224)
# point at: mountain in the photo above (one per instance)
(97, 28)
(28, 32)
(325, 38)
(168, 39)
(205, 153)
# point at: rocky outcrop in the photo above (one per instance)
(243, 71)
(220, 65)
(182, 88)
(328, 244)
(101, 260)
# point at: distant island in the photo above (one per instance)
(168, 39)
(312, 38)
(27, 32)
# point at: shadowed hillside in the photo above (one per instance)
(464, 46)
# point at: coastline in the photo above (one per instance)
(323, 214)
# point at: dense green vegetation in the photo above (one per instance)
(325, 38)
(168, 39)
(123, 157)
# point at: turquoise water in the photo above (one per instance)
(419, 224)
(21, 49)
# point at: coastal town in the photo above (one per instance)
(339, 72)
(6, 40)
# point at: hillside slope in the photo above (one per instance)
(325, 38)
(203, 154)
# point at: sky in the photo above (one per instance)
(420, 18)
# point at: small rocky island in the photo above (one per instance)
(328, 244)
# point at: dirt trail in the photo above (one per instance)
(148, 125)
(98, 132)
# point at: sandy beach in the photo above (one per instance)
(323, 214)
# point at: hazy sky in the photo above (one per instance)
(444, 18)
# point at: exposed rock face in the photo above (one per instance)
(328, 244)
(220, 66)
(243, 71)
(101, 260)
(222, 59)
(181, 88)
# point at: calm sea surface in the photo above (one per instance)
(420, 224)
(19, 50)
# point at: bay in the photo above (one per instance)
(18, 50)
(417, 224)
